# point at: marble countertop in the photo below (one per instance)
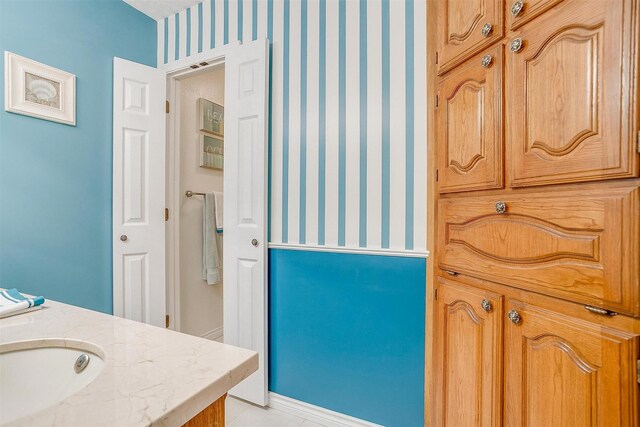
(152, 376)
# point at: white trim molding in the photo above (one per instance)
(210, 56)
(216, 334)
(314, 413)
(342, 249)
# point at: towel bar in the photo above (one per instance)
(190, 193)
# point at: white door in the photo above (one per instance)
(138, 192)
(245, 210)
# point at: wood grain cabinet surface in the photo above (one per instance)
(571, 115)
(469, 363)
(574, 244)
(466, 27)
(534, 213)
(470, 124)
(562, 371)
(519, 12)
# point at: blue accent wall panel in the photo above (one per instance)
(346, 333)
(55, 180)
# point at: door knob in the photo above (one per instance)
(254, 242)
(486, 305)
(124, 238)
(501, 207)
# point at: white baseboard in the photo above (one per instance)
(314, 413)
(214, 334)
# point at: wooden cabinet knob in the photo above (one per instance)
(487, 61)
(516, 45)
(516, 8)
(486, 305)
(487, 29)
(514, 316)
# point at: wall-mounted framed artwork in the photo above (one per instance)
(211, 152)
(211, 116)
(38, 90)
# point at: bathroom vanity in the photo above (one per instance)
(67, 366)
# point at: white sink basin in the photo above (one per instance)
(37, 374)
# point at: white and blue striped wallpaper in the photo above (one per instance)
(348, 112)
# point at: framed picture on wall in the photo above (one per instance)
(211, 117)
(211, 152)
(38, 90)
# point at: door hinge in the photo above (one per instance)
(437, 99)
(167, 107)
(437, 175)
(638, 143)
(435, 294)
(166, 321)
(166, 214)
(638, 371)
(436, 57)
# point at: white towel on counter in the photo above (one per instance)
(219, 210)
(211, 244)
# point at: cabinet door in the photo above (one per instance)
(519, 12)
(468, 361)
(469, 115)
(579, 245)
(462, 29)
(562, 371)
(571, 103)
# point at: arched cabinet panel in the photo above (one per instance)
(563, 371)
(469, 115)
(570, 114)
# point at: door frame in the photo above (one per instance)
(175, 72)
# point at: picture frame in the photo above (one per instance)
(211, 152)
(211, 117)
(38, 90)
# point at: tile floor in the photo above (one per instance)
(242, 414)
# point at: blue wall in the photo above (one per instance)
(55, 180)
(347, 333)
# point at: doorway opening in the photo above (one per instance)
(196, 254)
(216, 119)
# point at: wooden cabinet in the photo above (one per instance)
(211, 416)
(563, 371)
(534, 208)
(559, 370)
(470, 124)
(571, 115)
(519, 12)
(469, 349)
(573, 244)
(467, 26)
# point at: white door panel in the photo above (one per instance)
(138, 192)
(245, 210)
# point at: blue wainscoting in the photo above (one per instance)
(346, 333)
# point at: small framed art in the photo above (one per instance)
(38, 90)
(211, 152)
(211, 117)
